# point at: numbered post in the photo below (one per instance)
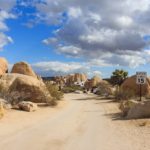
(140, 80)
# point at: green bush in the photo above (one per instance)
(54, 91)
(70, 89)
(124, 95)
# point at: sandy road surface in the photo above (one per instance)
(86, 123)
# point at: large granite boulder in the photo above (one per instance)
(18, 87)
(3, 66)
(134, 109)
(130, 85)
(23, 68)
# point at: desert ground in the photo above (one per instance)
(80, 122)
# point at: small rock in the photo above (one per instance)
(27, 106)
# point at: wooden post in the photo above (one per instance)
(140, 92)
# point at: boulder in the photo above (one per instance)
(18, 87)
(130, 85)
(23, 68)
(135, 109)
(125, 106)
(27, 106)
(3, 66)
(140, 110)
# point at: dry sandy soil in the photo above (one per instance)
(82, 122)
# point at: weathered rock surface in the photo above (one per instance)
(130, 85)
(140, 110)
(27, 106)
(23, 68)
(125, 106)
(134, 109)
(18, 87)
(3, 66)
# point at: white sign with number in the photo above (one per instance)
(141, 77)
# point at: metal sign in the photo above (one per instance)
(141, 77)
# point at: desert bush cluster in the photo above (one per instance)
(124, 95)
(1, 110)
(54, 92)
(73, 88)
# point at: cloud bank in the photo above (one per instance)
(113, 32)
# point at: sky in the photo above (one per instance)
(85, 36)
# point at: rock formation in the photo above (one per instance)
(23, 68)
(133, 109)
(18, 87)
(75, 78)
(130, 85)
(3, 66)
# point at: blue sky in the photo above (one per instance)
(62, 37)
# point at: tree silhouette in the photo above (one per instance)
(118, 76)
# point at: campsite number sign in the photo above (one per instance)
(140, 80)
(141, 77)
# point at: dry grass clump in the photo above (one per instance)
(54, 91)
(1, 110)
(73, 88)
(124, 95)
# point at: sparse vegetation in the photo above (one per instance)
(118, 76)
(54, 91)
(73, 88)
(124, 95)
(1, 110)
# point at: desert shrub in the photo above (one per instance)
(53, 102)
(54, 91)
(73, 88)
(124, 95)
(104, 89)
(1, 110)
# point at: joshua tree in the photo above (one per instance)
(118, 76)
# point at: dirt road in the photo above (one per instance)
(86, 123)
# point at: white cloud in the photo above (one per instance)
(96, 28)
(53, 68)
(5, 13)
(69, 51)
(50, 41)
(4, 40)
(124, 21)
(74, 12)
